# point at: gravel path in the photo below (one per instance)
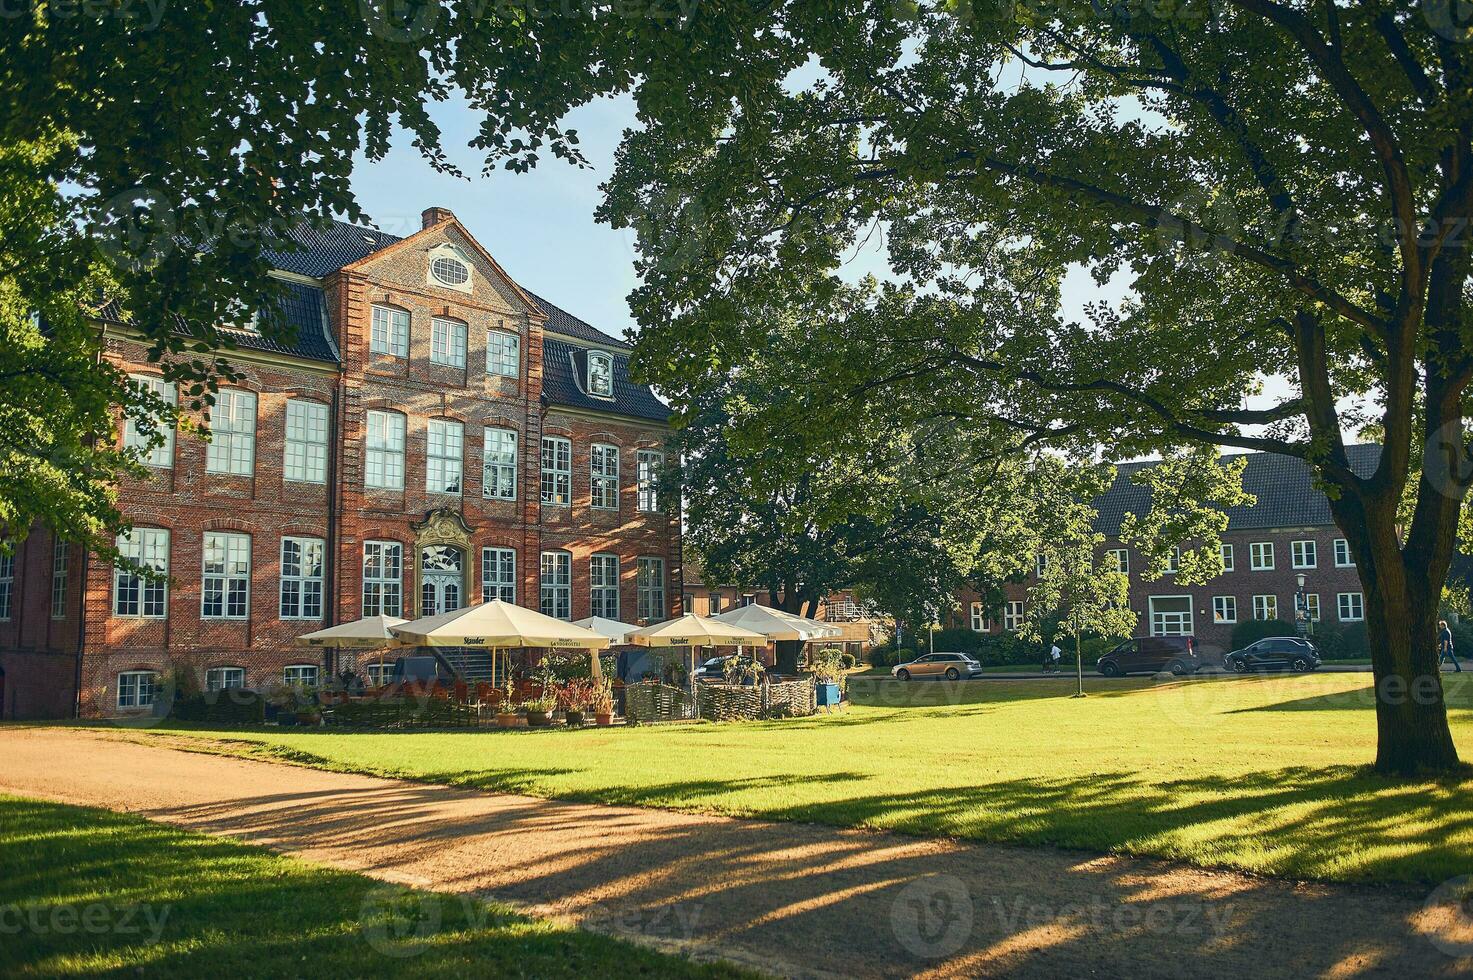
(788, 899)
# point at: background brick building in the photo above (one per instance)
(1287, 532)
(429, 434)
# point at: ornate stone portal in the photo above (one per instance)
(442, 548)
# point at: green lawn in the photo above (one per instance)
(87, 892)
(1264, 773)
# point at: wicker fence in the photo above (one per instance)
(740, 702)
(645, 703)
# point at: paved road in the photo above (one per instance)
(788, 899)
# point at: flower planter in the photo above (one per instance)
(286, 719)
(827, 694)
(575, 719)
(506, 719)
(559, 716)
(604, 718)
(538, 719)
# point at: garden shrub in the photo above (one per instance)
(1253, 630)
(236, 706)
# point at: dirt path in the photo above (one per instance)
(789, 899)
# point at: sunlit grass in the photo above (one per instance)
(1267, 774)
(86, 892)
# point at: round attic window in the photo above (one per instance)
(450, 271)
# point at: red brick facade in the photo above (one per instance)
(40, 654)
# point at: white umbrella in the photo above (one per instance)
(617, 632)
(776, 624)
(371, 631)
(497, 624)
(691, 630)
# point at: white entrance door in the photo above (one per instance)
(1171, 615)
(441, 577)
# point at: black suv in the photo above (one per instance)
(1151, 655)
(1274, 653)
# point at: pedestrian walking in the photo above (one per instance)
(1445, 646)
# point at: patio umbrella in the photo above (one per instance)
(617, 632)
(691, 631)
(371, 631)
(498, 624)
(775, 624)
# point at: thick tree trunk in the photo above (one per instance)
(1401, 593)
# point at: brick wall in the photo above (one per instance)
(38, 653)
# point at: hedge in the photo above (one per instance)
(232, 706)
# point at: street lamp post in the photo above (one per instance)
(1301, 607)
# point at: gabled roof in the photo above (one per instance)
(1284, 486)
(563, 373)
(303, 310)
(327, 246)
(561, 321)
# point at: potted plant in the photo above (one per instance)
(539, 710)
(828, 676)
(601, 700)
(576, 695)
(507, 714)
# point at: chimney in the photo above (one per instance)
(434, 216)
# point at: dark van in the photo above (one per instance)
(1151, 655)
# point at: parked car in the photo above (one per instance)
(422, 670)
(1274, 653)
(952, 666)
(713, 670)
(1151, 655)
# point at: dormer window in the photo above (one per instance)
(600, 374)
(449, 268)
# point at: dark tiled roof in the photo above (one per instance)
(1287, 496)
(562, 384)
(303, 308)
(561, 321)
(327, 247)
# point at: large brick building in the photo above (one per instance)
(1287, 532)
(428, 429)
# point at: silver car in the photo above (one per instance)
(951, 666)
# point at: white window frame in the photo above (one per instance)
(301, 675)
(1121, 558)
(1304, 553)
(304, 459)
(1265, 607)
(383, 594)
(7, 586)
(499, 574)
(603, 585)
(444, 457)
(503, 353)
(1173, 560)
(301, 590)
(1040, 564)
(1013, 615)
(225, 550)
(980, 623)
(1351, 606)
(148, 546)
(389, 331)
(557, 471)
(606, 388)
(1224, 609)
(1159, 621)
(232, 449)
(160, 456)
(603, 476)
(447, 253)
(556, 585)
(648, 464)
(1343, 557)
(499, 464)
(61, 559)
(132, 688)
(1312, 603)
(383, 458)
(224, 678)
(650, 588)
(1261, 556)
(447, 341)
(1229, 562)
